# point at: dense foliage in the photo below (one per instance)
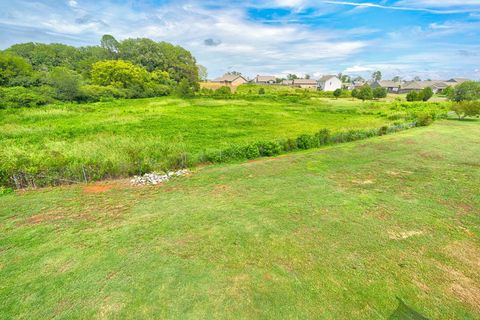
(32, 74)
(422, 95)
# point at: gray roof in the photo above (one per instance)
(326, 78)
(389, 83)
(458, 80)
(419, 85)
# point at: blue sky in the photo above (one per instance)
(434, 39)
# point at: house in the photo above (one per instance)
(265, 79)
(287, 82)
(231, 80)
(305, 83)
(456, 81)
(329, 83)
(437, 86)
(391, 86)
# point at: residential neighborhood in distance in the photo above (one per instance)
(333, 82)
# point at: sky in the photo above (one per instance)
(432, 39)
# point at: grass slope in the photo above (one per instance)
(336, 233)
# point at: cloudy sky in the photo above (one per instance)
(428, 38)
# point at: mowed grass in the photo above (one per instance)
(333, 233)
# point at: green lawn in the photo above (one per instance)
(123, 137)
(333, 233)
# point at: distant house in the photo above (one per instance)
(437, 86)
(265, 79)
(329, 83)
(305, 83)
(231, 80)
(287, 82)
(391, 86)
(455, 81)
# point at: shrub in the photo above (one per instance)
(365, 93)
(224, 90)
(269, 148)
(306, 141)
(467, 91)
(354, 93)
(379, 92)
(94, 92)
(412, 96)
(337, 93)
(427, 93)
(17, 97)
(261, 91)
(424, 119)
(251, 151)
(66, 83)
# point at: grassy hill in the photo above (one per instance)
(333, 233)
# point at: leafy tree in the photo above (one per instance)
(355, 93)
(427, 93)
(291, 76)
(467, 109)
(449, 92)
(344, 78)
(110, 45)
(307, 76)
(202, 72)
(365, 93)
(66, 83)
(417, 78)
(178, 62)
(358, 78)
(396, 79)
(119, 73)
(377, 76)
(467, 91)
(13, 70)
(184, 89)
(337, 93)
(379, 93)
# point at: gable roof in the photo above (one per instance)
(457, 80)
(389, 83)
(326, 78)
(265, 78)
(229, 78)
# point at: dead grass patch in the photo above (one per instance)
(402, 235)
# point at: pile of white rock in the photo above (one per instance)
(154, 178)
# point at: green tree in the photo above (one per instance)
(66, 83)
(119, 73)
(337, 93)
(377, 76)
(184, 89)
(417, 78)
(202, 72)
(379, 93)
(467, 109)
(291, 76)
(467, 91)
(365, 93)
(355, 93)
(14, 70)
(110, 45)
(307, 76)
(427, 93)
(396, 79)
(449, 92)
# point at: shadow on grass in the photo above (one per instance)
(404, 312)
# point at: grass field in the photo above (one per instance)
(333, 233)
(121, 138)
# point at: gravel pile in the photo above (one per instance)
(154, 178)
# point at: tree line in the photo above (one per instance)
(36, 73)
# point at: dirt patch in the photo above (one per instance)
(363, 182)
(462, 287)
(55, 216)
(97, 188)
(402, 235)
(238, 284)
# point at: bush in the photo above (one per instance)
(66, 83)
(365, 93)
(261, 91)
(354, 93)
(427, 93)
(94, 92)
(412, 96)
(379, 92)
(337, 93)
(424, 119)
(467, 91)
(224, 90)
(269, 148)
(18, 97)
